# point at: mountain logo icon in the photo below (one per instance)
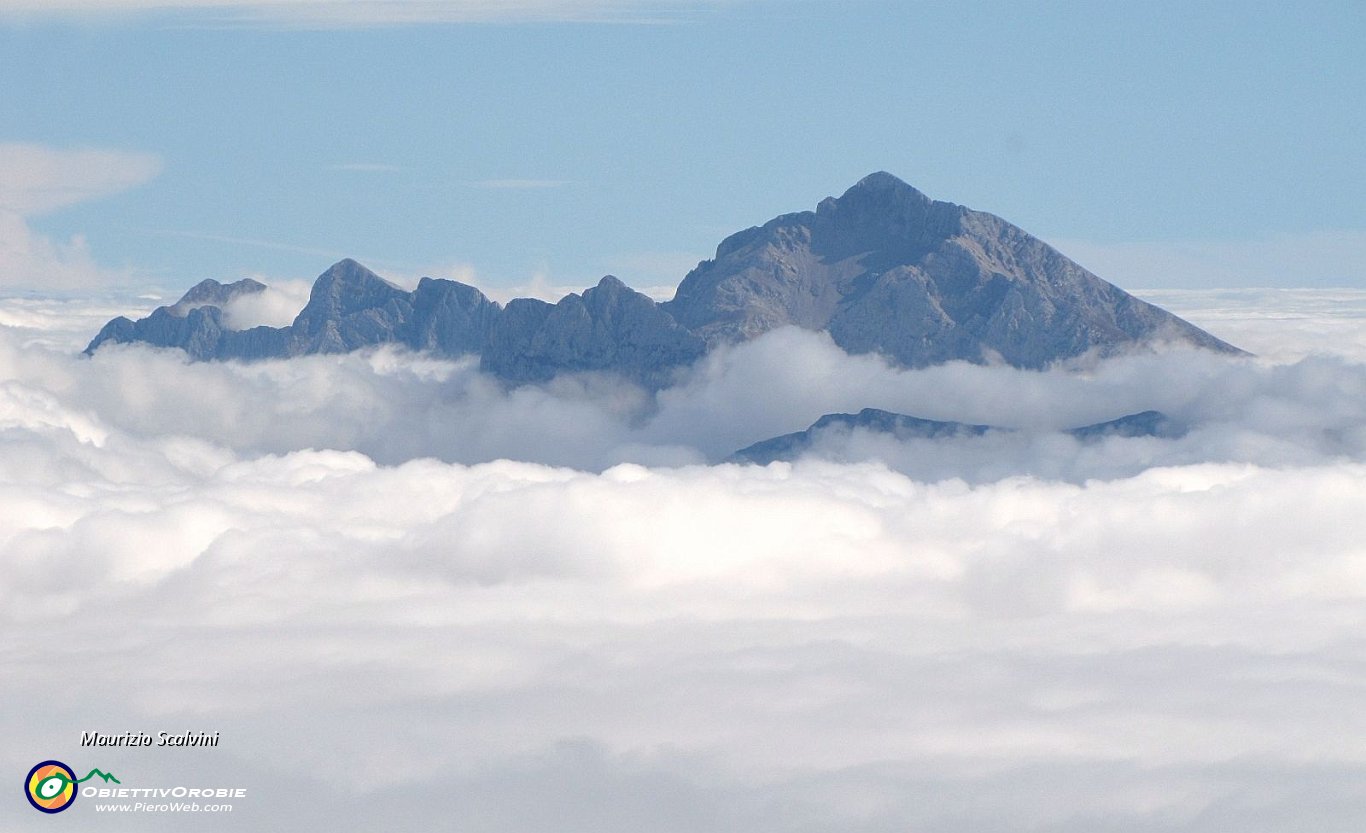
(50, 786)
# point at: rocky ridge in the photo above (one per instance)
(882, 268)
(832, 429)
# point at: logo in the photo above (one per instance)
(51, 786)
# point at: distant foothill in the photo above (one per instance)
(882, 268)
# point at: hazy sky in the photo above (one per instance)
(156, 142)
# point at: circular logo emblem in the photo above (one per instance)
(50, 787)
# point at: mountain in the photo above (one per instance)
(196, 324)
(832, 429)
(211, 293)
(1142, 424)
(788, 447)
(885, 269)
(882, 268)
(610, 327)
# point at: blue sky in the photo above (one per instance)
(559, 140)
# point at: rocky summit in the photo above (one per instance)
(886, 269)
(882, 269)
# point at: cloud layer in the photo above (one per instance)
(1136, 636)
(1321, 258)
(1304, 408)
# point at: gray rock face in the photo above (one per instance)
(886, 269)
(834, 427)
(1142, 424)
(350, 307)
(608, 328)
(883, 268)
(450, 318)
(195, 324)
(211, 293)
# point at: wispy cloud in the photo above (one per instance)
(255, 242)
(37, 180)
(363, 13)
(1253, 412)
(520, 184)
(366, 167)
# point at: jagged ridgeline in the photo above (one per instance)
(834, 428)
(882, 268)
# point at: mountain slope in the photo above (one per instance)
(832, 429)
(886, 269)
(610, 327)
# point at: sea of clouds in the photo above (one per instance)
(409, 597)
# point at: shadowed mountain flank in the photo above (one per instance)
(833, 429)
(886, 269)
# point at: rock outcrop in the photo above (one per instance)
(833, 429)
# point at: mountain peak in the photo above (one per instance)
(349, 271)
(211, 293)
(880, 188)
(885, 269)
(345, 289)
(881, 181)
(878, 193)
(882, 269)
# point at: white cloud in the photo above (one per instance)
(393, 407)
(540, 285)
(37, 180)
(1326, 258)
(29, 259)
(517, 646)
(64, 324)
(275, 306)
(1279, 324)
